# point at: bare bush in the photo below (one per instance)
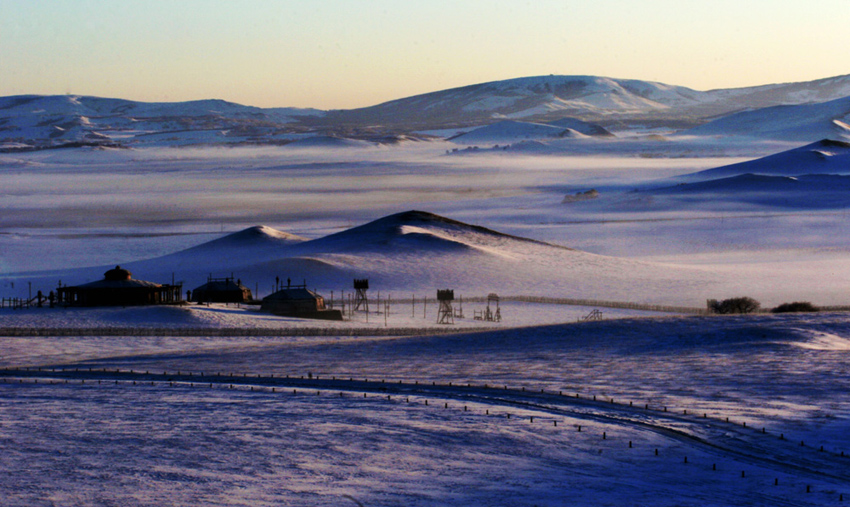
(796, 306)
(734, 305)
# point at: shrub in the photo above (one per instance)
(734, 305)
(796, 306)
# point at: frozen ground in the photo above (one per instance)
(406, 314)
(391, 437)
(175, 439)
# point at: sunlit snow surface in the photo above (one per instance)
(231, 441)
(197, 441)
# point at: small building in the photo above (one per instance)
(222, 290)
(118, 288)
(298, 301)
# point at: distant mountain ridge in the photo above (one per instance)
(33, 121)
(589, 98)
(802, 122)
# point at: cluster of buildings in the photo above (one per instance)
(119, 288)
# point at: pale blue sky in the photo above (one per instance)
(345, 54)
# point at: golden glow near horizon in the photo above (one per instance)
(335, 54)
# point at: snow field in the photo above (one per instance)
(403, 315)
(238, 447)
(784, 373)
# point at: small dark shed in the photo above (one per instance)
(222, 290)
(119, 289)
(298, 301)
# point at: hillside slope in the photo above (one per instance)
(416, 251)
(28, 121)
(34, 120)
(593, 98)
(806, 122)
(822, 157)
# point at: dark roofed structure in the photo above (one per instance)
(222, 290)
(298, 301)
(118, 288)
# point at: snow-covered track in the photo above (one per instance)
(710, 433)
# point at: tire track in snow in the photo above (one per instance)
(740, 446)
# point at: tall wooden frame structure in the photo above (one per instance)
(361, 301)
(445, 314)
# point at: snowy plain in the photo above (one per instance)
(69, 214)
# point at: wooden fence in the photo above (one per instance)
(607, 304)
(232, 331)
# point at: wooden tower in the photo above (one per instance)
(445, 315)
(360, 299)
(489, 315)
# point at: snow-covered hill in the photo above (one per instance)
(805, 122)
(822, 157)
(812, 177)
(512, 131)
(530, 97)
(809, 191)
(567, 102)
(509, 131)
(583, 127)
(805, 92)
(544, 98)
(419, 251)
(258, 237)
(33, 120)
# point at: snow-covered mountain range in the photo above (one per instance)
(588, 98)
(32, 121)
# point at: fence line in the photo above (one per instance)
(17, 303)
(567, 302)
(230, 331)
(607, 304)
(834, 308)
(526, 413)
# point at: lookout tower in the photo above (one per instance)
(489, 314)
(445, 314)
(360, 299)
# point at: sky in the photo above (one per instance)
(338, 54)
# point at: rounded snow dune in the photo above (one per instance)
(510, 131)
(826, 156)
(258, 235)
(809, 191)
(419, 252)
